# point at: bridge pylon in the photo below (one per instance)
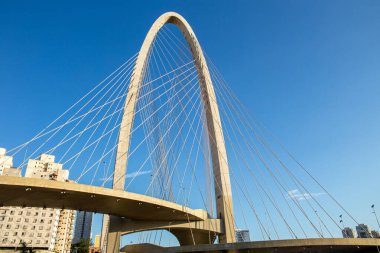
(223, 193)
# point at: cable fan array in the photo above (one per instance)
(274, 195)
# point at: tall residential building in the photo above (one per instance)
(64, 231)
(242, 235)
(348, 232)
(363, 231)
(40, 228)
(83, 226)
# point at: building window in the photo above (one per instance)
(8, 226)
(10, 219)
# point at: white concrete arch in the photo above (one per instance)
(218, 151)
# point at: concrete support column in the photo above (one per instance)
(114, 235)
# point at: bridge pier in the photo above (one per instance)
(187, 233)
(114, 235)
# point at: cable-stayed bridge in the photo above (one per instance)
(163, 144)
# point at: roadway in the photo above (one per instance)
(320, 245)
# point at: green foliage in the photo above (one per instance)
(25, 249)
(83, 246)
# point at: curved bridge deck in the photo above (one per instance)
(19, 191)
(326, 245)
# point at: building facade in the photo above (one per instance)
(363, 231)
(64, 231)
(41, 228)
(242, 235)
(375, 234)
(83, 225)
(96, 247)
(348, 233)
(97, 241)
(6, 162)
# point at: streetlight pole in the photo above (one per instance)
(374, 212)
(341, 221)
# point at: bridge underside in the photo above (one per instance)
(329, 245)
(129, 212)
(19, 191)
(187, 233)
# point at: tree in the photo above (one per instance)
(83, 246)
(25, 249)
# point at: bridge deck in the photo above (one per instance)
(19, 191)
(326, 245)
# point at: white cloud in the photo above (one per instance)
(137, 173)
(296, 194)
(130, 175)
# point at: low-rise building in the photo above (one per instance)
(97, 241)
(348, 232)
(363, 231)
(375, 234)
(242, 235)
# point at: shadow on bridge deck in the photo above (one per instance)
(329, 245)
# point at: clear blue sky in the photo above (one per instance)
(308, 70)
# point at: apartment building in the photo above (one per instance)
(44, 229)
